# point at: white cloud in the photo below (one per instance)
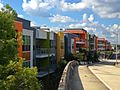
(32, 23)
(85, 19)
(20, 15)
(106, 8)
(61, 19)
(91, 18)
(39, 7)
(66, 6)
(1, 5)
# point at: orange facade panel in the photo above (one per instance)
(75, 31)
(19, 27)
(26, 55)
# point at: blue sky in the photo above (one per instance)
(100, 17)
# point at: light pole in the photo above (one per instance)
(116, 47)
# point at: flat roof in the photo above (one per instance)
(76, 29)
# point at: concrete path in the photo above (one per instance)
(89, 80)
(108, 73)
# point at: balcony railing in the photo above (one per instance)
(43, 52)
(101, 44)
(92, 42)
(101, 48)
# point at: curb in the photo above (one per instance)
(100, 79)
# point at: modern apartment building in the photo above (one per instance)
(26, 34)
(45, 50)
(92, 42)
(38, 47)
(70, 43)
(108, 46)
(81, 40)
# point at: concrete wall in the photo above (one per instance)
(64, 83)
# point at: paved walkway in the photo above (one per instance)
(89, 80)
(108, 73)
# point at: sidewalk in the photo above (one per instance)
(108, 73)
(89, 80)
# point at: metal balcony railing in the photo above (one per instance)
(43, 52)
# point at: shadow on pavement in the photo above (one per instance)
(104, 63)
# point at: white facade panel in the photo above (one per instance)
(30, 33)
(41, 34)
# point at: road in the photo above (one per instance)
(83, 79)
(108, 73)
(89, 80)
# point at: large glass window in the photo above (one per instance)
(26, 43)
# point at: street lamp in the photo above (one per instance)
(116, 45)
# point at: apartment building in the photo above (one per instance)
(70, 43)
(92, 42)
(45, 50)
(81, 40)
(26, 47)
(38, 47)
(108, 46)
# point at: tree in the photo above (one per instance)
(12, 75)
(8, 43)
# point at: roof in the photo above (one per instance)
(76, 29)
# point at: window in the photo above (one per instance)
(26, 64)
(26, 43)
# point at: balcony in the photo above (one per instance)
(40, 34)
(101, 48)
(92, 42)
(101, 44)
(43, 52)
(80, 41)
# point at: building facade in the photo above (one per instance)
(25, 47)
(81, 40)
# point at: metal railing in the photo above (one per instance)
(44, 51)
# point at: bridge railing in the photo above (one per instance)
(67, 74)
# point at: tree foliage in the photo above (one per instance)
(12, 75)
(8, 43)
(15, 77)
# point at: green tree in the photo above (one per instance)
(8, 43)
(12, 75)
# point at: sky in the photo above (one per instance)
(99, 17)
